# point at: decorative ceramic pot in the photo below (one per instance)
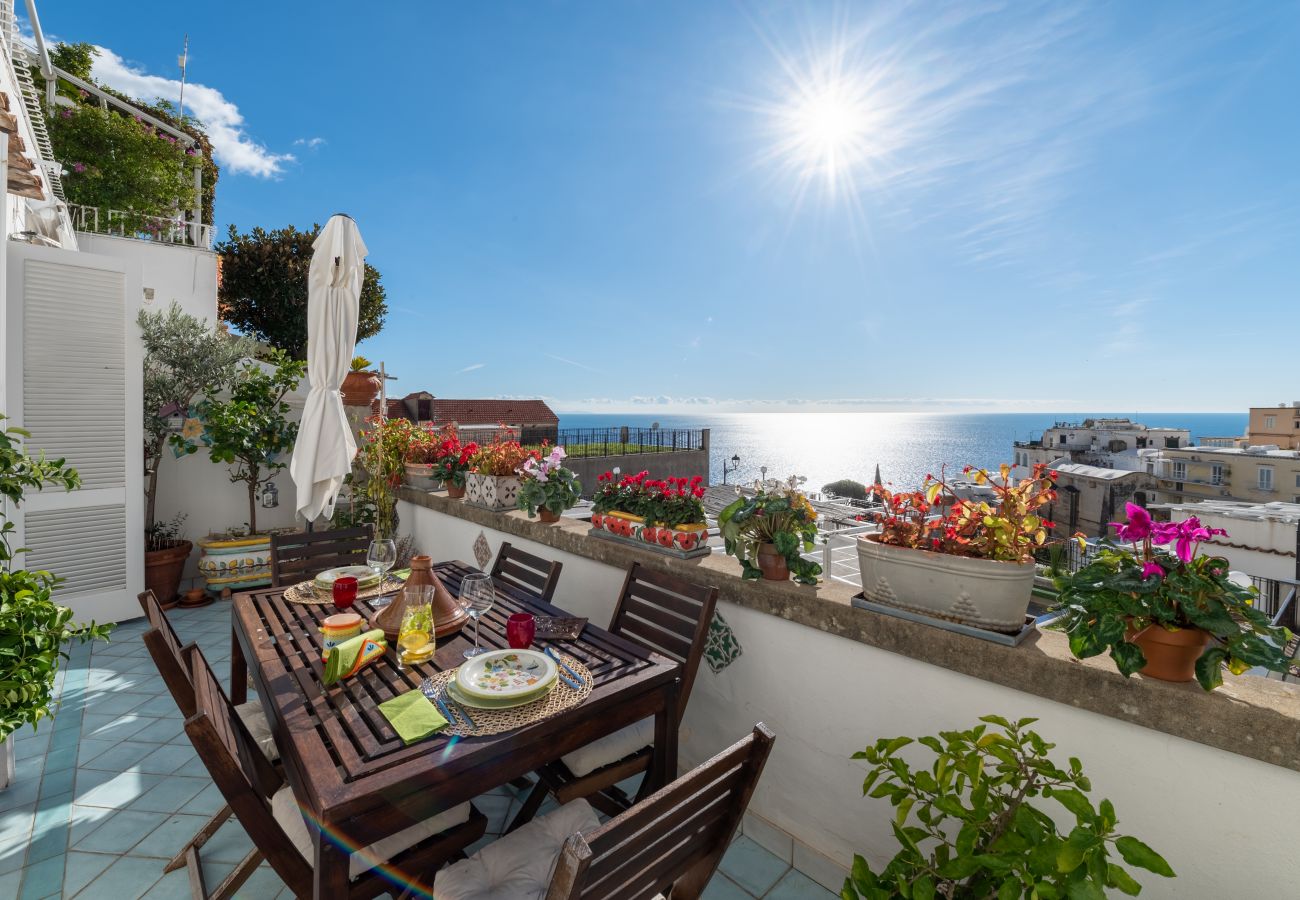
(8, 767)
(420, 476)
(361, 389)
(448, 615)
(1170, 655)
(454, 491)
(683, 541)
(772, 564)
(235, 563)
(547, 517)
(987, 593)
(163, 570)
(492, 491)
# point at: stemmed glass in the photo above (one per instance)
(477, 595)
(381, 556)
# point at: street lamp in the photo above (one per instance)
(763, 472)
(735, 464)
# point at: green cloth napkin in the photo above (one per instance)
(347, 658)
(412, 716)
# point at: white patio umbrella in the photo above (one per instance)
(322, 455)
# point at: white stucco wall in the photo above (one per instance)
(1261, 534)
(185, 275)
(1226, 823)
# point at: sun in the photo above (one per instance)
(824, 131)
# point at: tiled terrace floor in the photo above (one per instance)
(110, 789)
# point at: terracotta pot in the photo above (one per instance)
(361, 389)
(772, 563)
(1171, 655)
(163, 569)
(455, 491)
(547, 517)
(196, 597)
(448, 615)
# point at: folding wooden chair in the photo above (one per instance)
(304, 555)
(668, 844)
(664, 613)
(269, 812)
(529, 573)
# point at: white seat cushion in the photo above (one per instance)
(286, 811)
(517, 866)
(255, 721)
(611, 748)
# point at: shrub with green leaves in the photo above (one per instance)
(968, 829)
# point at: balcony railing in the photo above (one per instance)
(131, 224)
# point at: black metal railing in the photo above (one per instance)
(1278, 600)
(620, 441)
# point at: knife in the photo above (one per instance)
(428, 691)
(576, 680)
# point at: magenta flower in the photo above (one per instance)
(1138, 527)
(78, 167)
(1152, 569)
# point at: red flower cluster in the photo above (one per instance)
(669, 501)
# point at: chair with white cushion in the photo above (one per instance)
(667, 845)
(270, 813)
(663, 613)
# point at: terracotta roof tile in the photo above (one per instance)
(487, 412)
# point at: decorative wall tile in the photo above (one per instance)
(722, 647)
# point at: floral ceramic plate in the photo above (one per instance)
(506, 674)
(365, 576)
(454, 691)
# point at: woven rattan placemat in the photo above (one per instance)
(495, 721)
(306, 594)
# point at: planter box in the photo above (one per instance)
(236, 564)
(1008, 639)
(984, 593)
(498, 492)
(683, 541)
(420, 476)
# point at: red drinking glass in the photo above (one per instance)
(345, 592)
(520, 630)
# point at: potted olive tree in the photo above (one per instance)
(33, 628)
(184, 358)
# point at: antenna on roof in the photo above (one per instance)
(183, 60)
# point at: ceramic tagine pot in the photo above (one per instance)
(448, 615)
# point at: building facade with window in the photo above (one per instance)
(1254, 474)
(1279, 425)
(1112, 443)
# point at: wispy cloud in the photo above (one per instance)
(310, 143)
(233, 147)
(474, 367)
(570, 362)
(1127, 328)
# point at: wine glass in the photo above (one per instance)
(381, 556)
(415, 637)
(477, 595)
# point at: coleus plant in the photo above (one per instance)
(501, 456)
(1160, 581)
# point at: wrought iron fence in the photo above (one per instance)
(1277, 600)
(621, 441)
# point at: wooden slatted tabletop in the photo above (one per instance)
(347, 765)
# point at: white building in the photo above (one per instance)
(1261, 537)
(1115, 443)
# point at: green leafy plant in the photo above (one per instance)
(935, 518)
(846, 487)
(1160, 581)
(547, 484)
(360, 364)
(250, 429)
(33, 628)
(783, 518)
(381, 457)
(501, 456)
(667, 501)
(184, 357)
(264, 287)
(969, 831)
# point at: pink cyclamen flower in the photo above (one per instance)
(1152, 569)
(78, 167)
(1138, 527)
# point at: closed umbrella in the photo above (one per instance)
(322, 455)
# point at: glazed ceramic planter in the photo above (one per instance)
(497, 492)
(361, 389)
(421, 477)
(1170, 655)
(163, 569)
(236, 564)
(986, 593)
(682, 541)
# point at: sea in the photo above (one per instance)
(825, 447)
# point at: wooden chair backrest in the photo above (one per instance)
(304, 555)
(669, 615)
(531, 574)
(672, 839)
(164, 645)
(242, 773)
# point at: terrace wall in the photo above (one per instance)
(1210, 781)
(675, 464)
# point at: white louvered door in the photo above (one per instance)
(74, 381)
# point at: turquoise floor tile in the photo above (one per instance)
(65, 739)
(42, 879)
(113, 789)
(127, 878)
(723, 888)
(100, 727)
(121, 757)
(172, 794)
(55, 783)
(166, 759)
(10, 882)
(82, 868)
(752, 867)
(120, 831)
(176, 886)
(114, 703)
(89, 748)
(796, 885)
(161, 731)
(61, 758)
(168, 838)
(194, 767)
(264, 883)
(206, 802)
(23, 793)
(50, 828)
(229, 845)
(84, 820)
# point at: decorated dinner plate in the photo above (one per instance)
(505, 674)
(454, 691)
(365, 576)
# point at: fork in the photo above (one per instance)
(427, 688)
(446, 697)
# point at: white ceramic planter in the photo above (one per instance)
(492, 491)
(986, 593)
(6, 763)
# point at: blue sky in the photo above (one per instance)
(738, 206)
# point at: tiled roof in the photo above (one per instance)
(487, 412)
(397, 409)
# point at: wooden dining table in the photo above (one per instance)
(356, 777)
